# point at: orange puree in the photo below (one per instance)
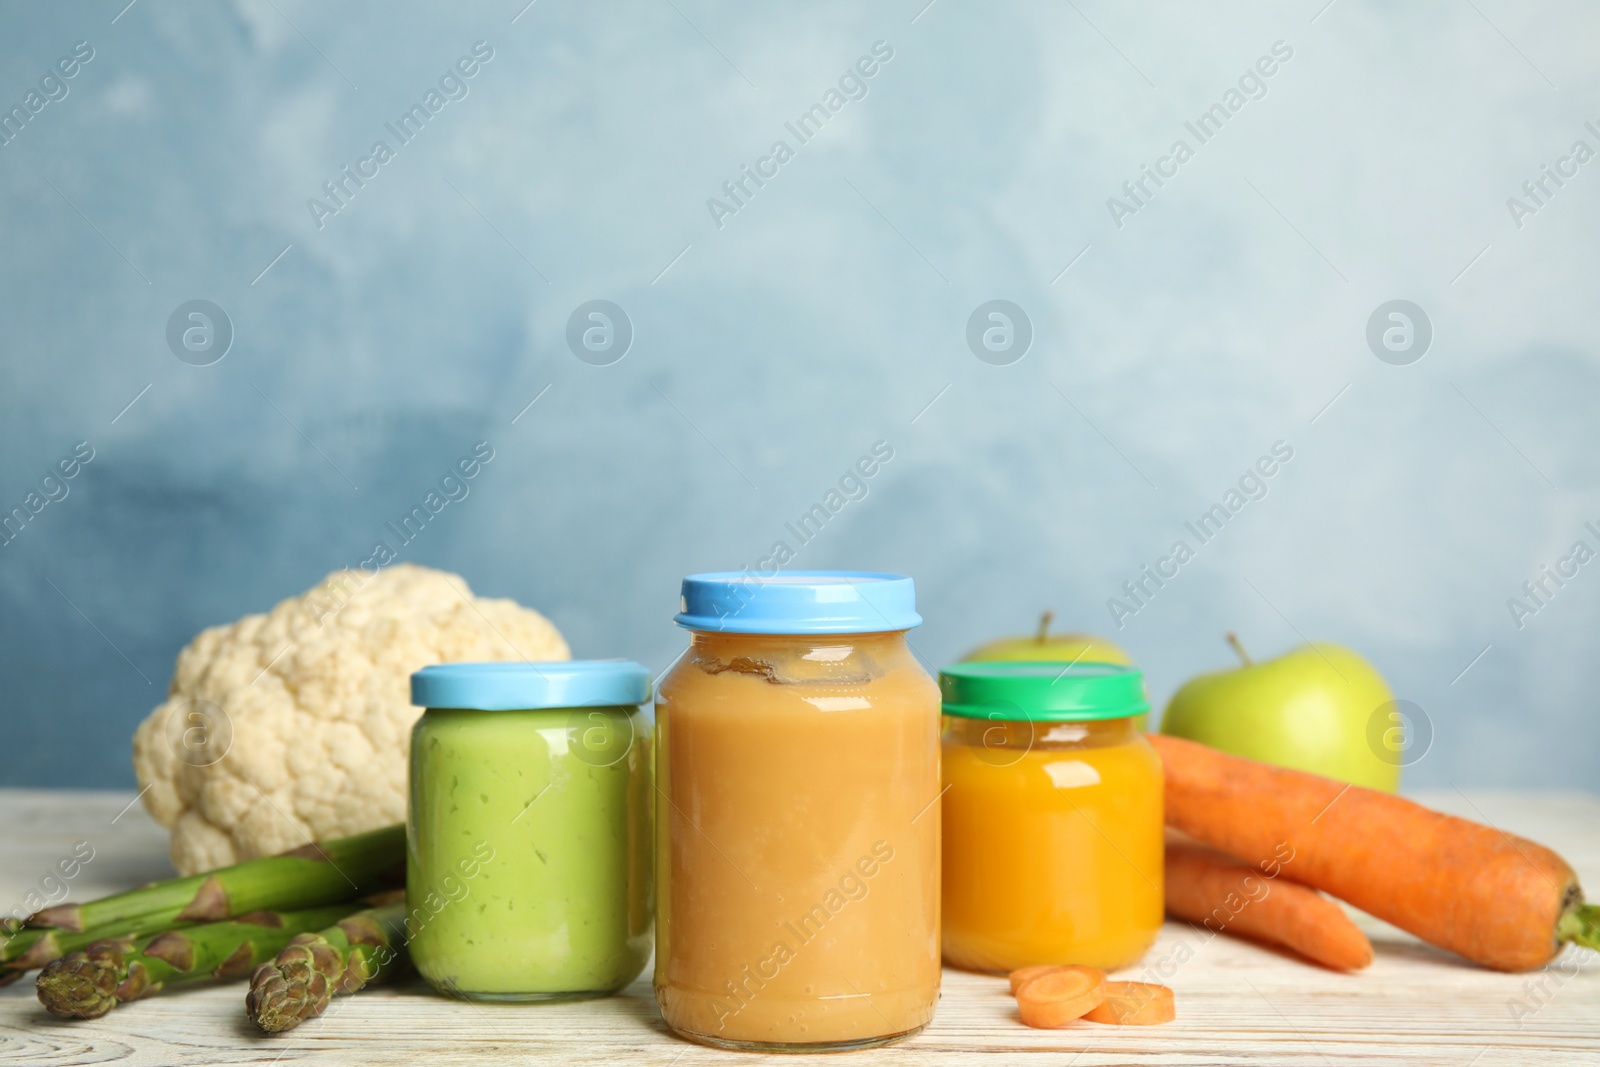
(1052, 843)
(797, 841)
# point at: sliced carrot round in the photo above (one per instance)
(1134, 1004)
(1034, 973)
(1060, 995)
(1022, 975)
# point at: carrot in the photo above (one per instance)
(1499, 900)
(1223, 894)
(1060, 995)
(1022, 975)
(1134, 1004)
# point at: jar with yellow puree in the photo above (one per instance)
(1052, 816)
(797, 834)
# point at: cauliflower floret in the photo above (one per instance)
(295, 725)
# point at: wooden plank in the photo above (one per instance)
(1237, 1003)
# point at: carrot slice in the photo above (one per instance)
(1029, 974)
(1134, 1004)
(1060, 995)
(1023, 975)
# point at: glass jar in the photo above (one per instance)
(1053, 843)
(528, 837)
(798, 835)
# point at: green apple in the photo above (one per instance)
(1042, 645)
(1310, 709)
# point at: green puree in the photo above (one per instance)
(528, 873)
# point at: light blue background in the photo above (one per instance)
(826, 315)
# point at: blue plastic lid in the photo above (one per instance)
(798, 602)
(511, 686)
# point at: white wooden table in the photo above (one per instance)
(1236, 1003)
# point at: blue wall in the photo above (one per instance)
(778, 336)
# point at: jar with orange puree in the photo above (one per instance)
(797, 833)
(1052, 816)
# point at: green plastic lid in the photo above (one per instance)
(1042, 691)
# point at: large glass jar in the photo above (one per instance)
(528, 838)
(1052, 817)
(798, 834)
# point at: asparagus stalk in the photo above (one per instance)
(35, 948)
(301, 878)
(367, 947)
(90, 982)
(311, 874)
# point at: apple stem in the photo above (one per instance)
(1233, 642)
(1044, 626)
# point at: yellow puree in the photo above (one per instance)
(1052, 845)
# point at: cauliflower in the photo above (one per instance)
(295, 725)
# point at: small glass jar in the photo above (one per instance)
(798, 838)
(1053, 840)
(528, 837)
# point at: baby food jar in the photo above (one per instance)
(528, 839)
(798, 834)
(1052, 816)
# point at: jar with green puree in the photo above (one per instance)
(528, 873)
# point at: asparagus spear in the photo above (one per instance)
(35, 948)
(311, 874)
(367, 947)
(90, 982)
(301, 878)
